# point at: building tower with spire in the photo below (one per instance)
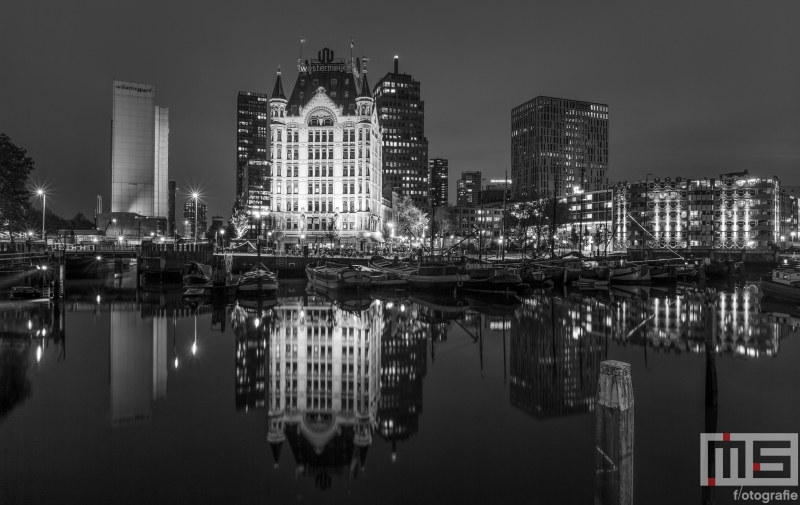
(405, 148)
(326, 147)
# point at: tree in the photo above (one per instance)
(443, 222)
(410, 217)
(240, 219)
(331, 233)
(15, 168)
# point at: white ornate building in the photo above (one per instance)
(326, 157)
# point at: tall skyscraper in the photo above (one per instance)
(438, 181)
(558, 145)
(405, 148)
(252, 145)
(326, 156)
(139, 151)
(468, 188)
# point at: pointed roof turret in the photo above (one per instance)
(277, 92)
(365, 92)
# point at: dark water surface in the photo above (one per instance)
(119, 396)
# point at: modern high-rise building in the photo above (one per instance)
(558, 145)
(438, 182)
(326, 148)
(405, 148)
(252, 149)
(468, 189)
(139, 151)
(188, 218)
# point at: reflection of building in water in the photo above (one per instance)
(403, 367)
(251, 344)
(556, 350)
(138, 363)
(324, 366)
(677, 324)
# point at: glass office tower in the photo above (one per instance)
(139, 151)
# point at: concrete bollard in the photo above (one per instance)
(614, 435)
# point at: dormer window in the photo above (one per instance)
(302, 82)
(315, 82)
(301, 95)
(334, 82)
(333, 94)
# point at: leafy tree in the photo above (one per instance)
(15, 168)
(410, 217)
(443, 222)
(240, 219)
(331, 233)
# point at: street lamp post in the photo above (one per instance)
(40, 192)
(195, 195)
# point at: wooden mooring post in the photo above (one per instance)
(614, 435)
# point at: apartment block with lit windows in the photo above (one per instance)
(405, 148)
(438, 181)
(736, 211)
(558, 145)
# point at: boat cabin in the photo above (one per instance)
(786, 276)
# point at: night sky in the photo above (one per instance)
(693, 88)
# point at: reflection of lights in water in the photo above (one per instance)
(256, 322)
(30, 324)
(402, 308)
(98, 298)
(389, 305)
(38, 353)
(176, 362)
(194, 348)
(44, 332)
(302, 313)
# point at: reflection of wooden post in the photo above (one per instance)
(614, 435)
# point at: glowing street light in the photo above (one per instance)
(41, 193)
(195, 196)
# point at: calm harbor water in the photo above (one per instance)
(126, 396)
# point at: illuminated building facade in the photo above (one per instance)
(468, 189)
(557, 145)
(405, 148)
(188, 218)
(437, 174)
(139, 151)
(326, 149)
(252, 139)
(736, 211)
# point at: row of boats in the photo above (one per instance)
(439, 274)
(434, 275)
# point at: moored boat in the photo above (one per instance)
(384, 279)
(782, 284)
(437, 278)
(492, 280)
(258, 280)
(337, 276)
(194, 274)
